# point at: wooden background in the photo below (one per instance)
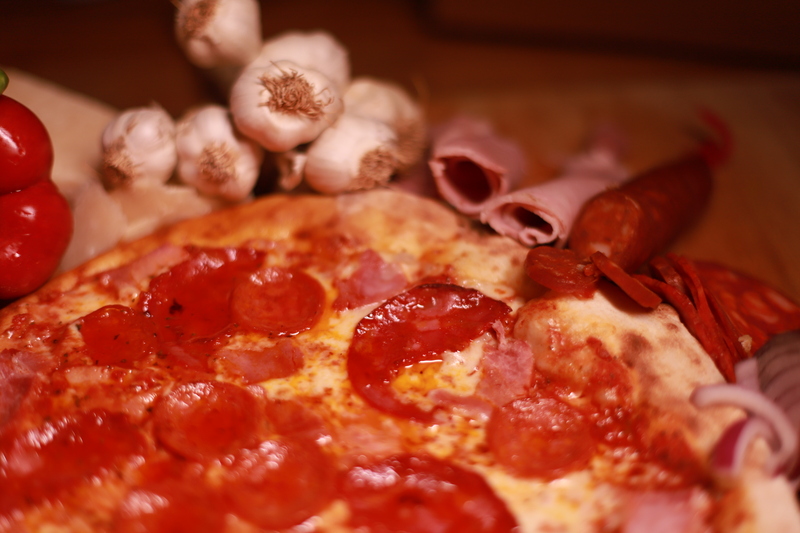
(544, 88)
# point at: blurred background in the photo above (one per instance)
(123, 52)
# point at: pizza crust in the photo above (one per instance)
(427, 241)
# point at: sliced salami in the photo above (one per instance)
(280, 483)
(277, 301)
(419, 324)
(206, 420)
(540, 437)
(562, 271)
(191, 300)
(117, 335)
(168, 505)
(424, 495)
(49, 461)
(755, 308)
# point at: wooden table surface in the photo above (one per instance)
(122, 53)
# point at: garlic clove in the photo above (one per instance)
(291, 166)
(355, 153)
(389, 103)
(98, 223)
(283, 105)
(138, 145)
(219, 33)
(149, 206)
(317, 50)
(214, 157)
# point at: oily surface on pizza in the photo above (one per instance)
(368, 362)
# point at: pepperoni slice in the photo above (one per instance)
(561, 270)
(280, 483)
(417, 325)
(205, 420)
(424, 495)
(540, 437)
(116, 335)
(278, 301)
(706, 332)
(664, 270)
(48, 461)
(169, 505)
(629, 285)
(191, 300)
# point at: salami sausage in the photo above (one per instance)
(632, 223)
(425, 495)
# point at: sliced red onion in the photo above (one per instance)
(747, 374)
(769, 391)
(729, 452)
(784, 450)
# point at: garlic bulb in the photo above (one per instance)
(355, 153)
(391, 104)
(283, 105)
(316, 50)
(138, 145)
(216, 33)
(215, 158)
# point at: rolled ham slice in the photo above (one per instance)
(471, 164)
(544, 213)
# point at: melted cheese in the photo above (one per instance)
(666, 363)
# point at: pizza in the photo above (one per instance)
(370, 362)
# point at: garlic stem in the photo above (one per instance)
(317, 50)
(283, 105)
(355, 153)
(138, 145)
(391, 104)
(215, 158)
(218, 33)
